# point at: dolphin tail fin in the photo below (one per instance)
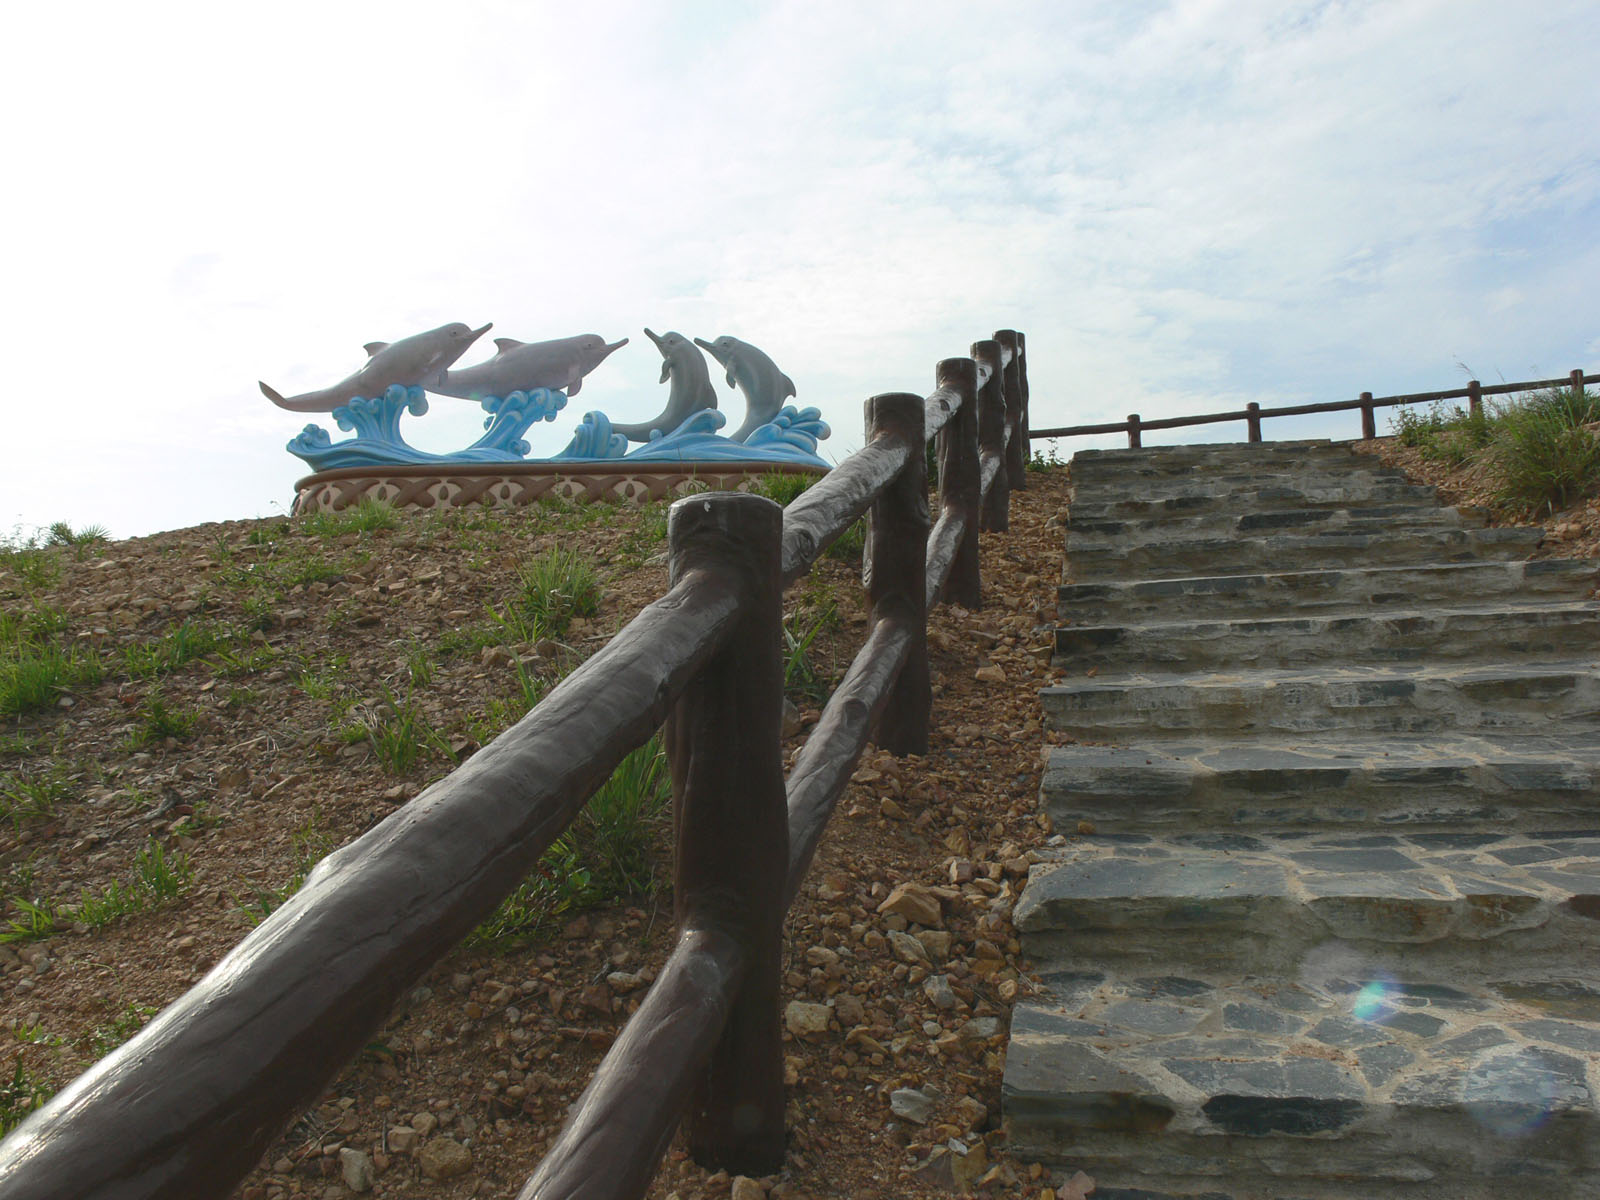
(272, 395)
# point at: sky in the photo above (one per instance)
(1185, 206)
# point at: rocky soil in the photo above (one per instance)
(901, 964)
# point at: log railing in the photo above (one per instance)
(1253, 414)
(188, 1107)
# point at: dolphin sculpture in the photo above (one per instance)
(420, 360)
(523, 366)
(764, 386)
(692, 389)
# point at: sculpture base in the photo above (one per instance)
(515, 485)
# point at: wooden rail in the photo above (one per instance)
(188, 1107)
(1253, 414)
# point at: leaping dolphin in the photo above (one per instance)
(523, 366)
(764, 386)
(692, 389)
(420, 360)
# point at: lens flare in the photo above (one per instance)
(1371, 1001)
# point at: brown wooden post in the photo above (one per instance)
(992, 435)
(1369, 424)
(895, 570)
(1254, 420)
(730, 823)
(1577, 384)
(1475, 397)
(957, 447)
(1017, 447)
(1022, 378)
(1135, 440)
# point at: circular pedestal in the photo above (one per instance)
(513, 485)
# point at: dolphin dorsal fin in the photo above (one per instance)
(788, 385)
(372, 348)
(505, 345)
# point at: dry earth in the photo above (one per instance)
(464, 1088)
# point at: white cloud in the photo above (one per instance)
(1185, 205)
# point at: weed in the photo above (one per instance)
(1544, 457)
(32, 797)
(34, 674)
(20, 1096)
(851, 544)
(604, 856)
(801, 679)
(180, 645)
(103, 1039)
(781, 486)
(1046, 460)
(399, 733)
(158, 722)
(311, 844)
(365, 517)
(35, 919)
(554, 587)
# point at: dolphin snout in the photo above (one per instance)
(478, 333)
(614, 346)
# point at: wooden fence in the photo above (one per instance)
(188, 1107)
(1253, 414)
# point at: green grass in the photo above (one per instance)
(781, 486)
(553, 588)
(32, 796)
(20, 1095)
(157, 878)
(367, 516)
(312, 844)
(802, 678)
(158, 721)
(605, 855)
(180, 645)
(399, 733)
(34, 673)
(106, 1037)
(1539, 456)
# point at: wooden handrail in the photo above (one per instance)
(189, 1105)
(1473, 393)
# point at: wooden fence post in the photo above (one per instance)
(1016, 414)
(1254, 420)
(1369, 423)
(730, 823)
(1577, 383)
(895, 570)
(1135, 440)
(957, 447)
(1475, 397)
(992, 434)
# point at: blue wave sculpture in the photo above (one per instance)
(789, 436)
(378, 441)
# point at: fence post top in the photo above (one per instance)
(1007, 338)
(958, 370)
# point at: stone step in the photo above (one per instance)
(1287, 552)
(1529, 630)
(1447, 784)
(1338, 1084)
(1322, 591)
(1093, 505)
(1083, 534)
(1215, 456)
(1527, 699)
(1468, 906)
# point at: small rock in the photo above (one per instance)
(444, 1158)
(990, 674)
(915, 903)
(906, 948)
(936, 942)
(745, 1188)
(937, 990)
(980, 1029)
(424, 1123)
(806, 1020)
(911, 1105)
(402, 1139)
(792, 724)
(357, 1169)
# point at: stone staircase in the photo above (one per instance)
(1328, 925)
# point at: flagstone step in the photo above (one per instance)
(1464, 906)
(1440, 783)
(1526, 699)
(1215, 457)
(1298, 551)
(1346, 590)
(1250, 494)
(1085, 534)
(1531, 629)
(1341, 1083)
